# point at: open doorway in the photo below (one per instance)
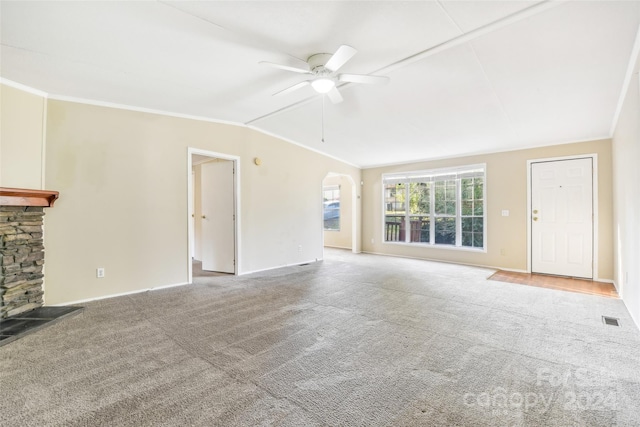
(339, 211)
(213, 218)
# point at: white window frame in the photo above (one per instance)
(431, 176)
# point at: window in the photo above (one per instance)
(472, 212)
(438, 207)
(331, 207)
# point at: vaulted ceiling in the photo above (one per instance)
(465, 76)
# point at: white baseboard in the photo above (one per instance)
(490, 267)
(82, 301)
(280, 266)
(513, 270)
(337, 247)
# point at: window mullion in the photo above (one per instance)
(432, 210)
(407, 222)
(458, 212)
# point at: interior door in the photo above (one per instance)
(218, 216)
(192, 220)
(562, 217)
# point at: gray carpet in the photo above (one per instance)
(354, 340)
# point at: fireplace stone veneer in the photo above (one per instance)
(22, 249)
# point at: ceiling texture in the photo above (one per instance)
(466, 77)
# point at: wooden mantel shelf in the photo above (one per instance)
(23, 197)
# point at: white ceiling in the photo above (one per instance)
(466, 76)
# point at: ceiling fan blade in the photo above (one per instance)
(301, 67)
(361, 78)
(334, 95)
(338, 59)
(292, 88)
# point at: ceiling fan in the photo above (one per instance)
(324, 67)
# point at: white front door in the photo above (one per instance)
(562, 217)
(218, 216)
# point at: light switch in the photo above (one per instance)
(505, 212)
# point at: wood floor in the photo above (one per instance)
(570, 284)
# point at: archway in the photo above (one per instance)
(339, 211)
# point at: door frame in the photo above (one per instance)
(594, 201)
(236, 204)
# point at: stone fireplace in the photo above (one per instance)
(22, 248)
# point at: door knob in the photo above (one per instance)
(204, 217)
(535, 211)
(535, 218)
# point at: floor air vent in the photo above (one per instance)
(610, 321)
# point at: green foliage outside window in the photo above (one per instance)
(420, 211)
(445, 211)
(472, 215)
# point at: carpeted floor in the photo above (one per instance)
(353, 340)
(199, 272)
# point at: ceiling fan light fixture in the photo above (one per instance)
(323, 85)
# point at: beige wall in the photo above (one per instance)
(626, 178)
(341, 238)
(122, 177)
(21, 138)
(506, 189)
(123, 182)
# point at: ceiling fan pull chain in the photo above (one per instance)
(322, 127)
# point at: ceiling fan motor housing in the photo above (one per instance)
(316, 63)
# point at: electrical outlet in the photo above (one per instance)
(503, 251)
(99, 272)
(299, 248)
(372, 241)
